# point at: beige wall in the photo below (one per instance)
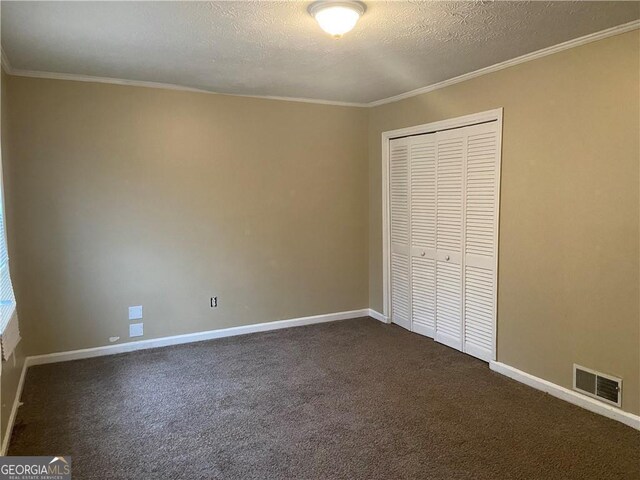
(569, 259)
(126, 196)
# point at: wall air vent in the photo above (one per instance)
(597, 385)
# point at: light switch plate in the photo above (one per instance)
(136, 330)
(135, 313)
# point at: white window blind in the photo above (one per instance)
(7, 299)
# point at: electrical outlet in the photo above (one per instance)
(214, 302)
(136, 330)
(135, 313)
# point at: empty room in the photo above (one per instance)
(320, 240)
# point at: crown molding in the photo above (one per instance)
(167, 86)
(576, 42)
(303, 100)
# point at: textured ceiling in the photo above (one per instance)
(277, 49)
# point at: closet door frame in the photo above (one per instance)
(464, 121)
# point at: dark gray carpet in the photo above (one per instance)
(346, 400)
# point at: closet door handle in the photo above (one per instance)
(423, 253)
(447, 258)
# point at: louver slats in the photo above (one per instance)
(400, 288)
(400, 273)
(449, 194)
(449, 311)
(479, 310)
(424, 295)
(481, 194)
(423, 193)
(399, 194)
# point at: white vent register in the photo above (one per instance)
(597, 385)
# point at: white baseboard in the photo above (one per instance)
(14, 410)
(378, 316)
(191, 337)
(567, 395)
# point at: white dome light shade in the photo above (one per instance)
(337, 18)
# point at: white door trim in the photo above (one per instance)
(464, 121)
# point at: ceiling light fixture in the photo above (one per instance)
(337, 18)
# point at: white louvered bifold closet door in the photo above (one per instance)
(451, 148)
(422, 150)
(444, 190)
(481, 210)
(399, 216)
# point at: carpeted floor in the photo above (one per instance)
(355, 399)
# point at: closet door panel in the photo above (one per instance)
(451, 149)
(449, 191)
(400, 299)
(449, 304)
(399, 213)
(423, 233)
(423, 192)
(481, 200)
(423, 284)
(479, 312)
